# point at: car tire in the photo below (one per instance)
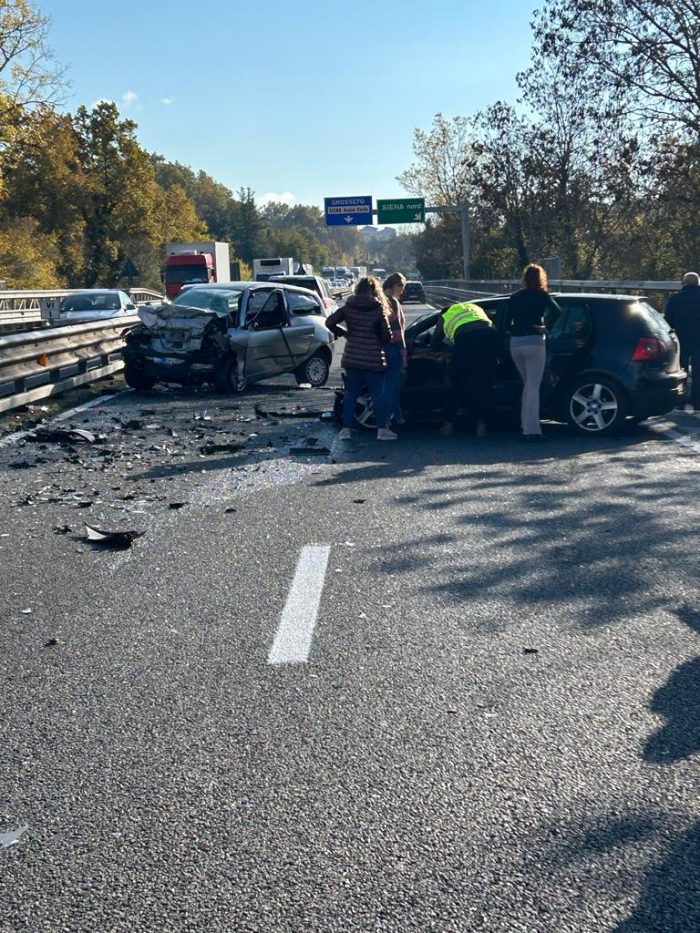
(137, 379)
(226, 377)
(596, 406)
(364, 411)
(314, 371)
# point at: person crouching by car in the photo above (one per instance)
(367, 331)
(531, 312)
(396, 350)
(473, 364)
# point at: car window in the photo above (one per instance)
(575, 320)
(302, 304)
(209, 299)
(657, 324)
(264, 307)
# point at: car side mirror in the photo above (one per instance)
(130, 307)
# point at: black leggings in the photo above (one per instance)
(472, 371)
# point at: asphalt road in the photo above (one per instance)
(497, 724)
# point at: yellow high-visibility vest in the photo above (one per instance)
(458, 315)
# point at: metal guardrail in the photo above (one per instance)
(445, 290)
(38, 364)
(30, 309)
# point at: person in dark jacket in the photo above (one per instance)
(366, 318)
(531, 312)
(683, 315)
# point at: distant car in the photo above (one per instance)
(314, 283)
(93, 304)
(413, 291)
(230, 334)
(609, 358)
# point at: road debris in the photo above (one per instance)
(117, 540)
(64, 436)
(531, 650)
(176, 505)
(309, 451)
(11, 838)
(51, 643)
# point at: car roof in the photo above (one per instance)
(241, 286)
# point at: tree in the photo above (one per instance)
(28, 257)
(120, 193)
(44, 181)
(438, 173)
(648, 50)
(28, 73)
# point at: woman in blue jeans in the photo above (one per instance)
(366, 317)
(396, 349)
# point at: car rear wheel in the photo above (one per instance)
(314, 371)
(227, 378)
(136, 379)
(364, 412)
(596, 406)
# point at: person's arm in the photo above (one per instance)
(384, 325)
(334, 319)
(438, 338)
(552, 313)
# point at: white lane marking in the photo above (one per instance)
(65, 415)
(683, 439)
(18, 435)
(292, 642)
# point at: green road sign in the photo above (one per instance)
(401, 211)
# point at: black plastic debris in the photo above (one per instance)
(64, 436)
(531, 650)
(133, 425)
(229, 511)
(20, 465)
(62, 529)
(359, 501)
(116, 540)
(51, 643)
(298, 412)
(208, 449)
(176, 505)
(309, 451)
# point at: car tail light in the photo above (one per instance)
(648, 348)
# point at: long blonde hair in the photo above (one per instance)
(369, 287)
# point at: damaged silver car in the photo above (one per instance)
(230, 334)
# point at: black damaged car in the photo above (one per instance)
(610, 359)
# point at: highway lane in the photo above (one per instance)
(495, 726)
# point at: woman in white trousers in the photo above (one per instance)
(531, 312)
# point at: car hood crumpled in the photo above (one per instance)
(170, 317)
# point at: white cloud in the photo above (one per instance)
(167, 100)
(285, 198)
(129, 98)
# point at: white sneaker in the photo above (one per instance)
(385, 434)
(345, 434)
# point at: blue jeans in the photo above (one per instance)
(392, 396)
(355, 379)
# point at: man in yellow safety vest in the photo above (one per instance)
(469, 332)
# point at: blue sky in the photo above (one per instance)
(306, 100)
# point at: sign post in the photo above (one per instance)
(130, 272)
(346, 212)
(401, 211)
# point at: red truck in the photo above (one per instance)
(195, 263)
